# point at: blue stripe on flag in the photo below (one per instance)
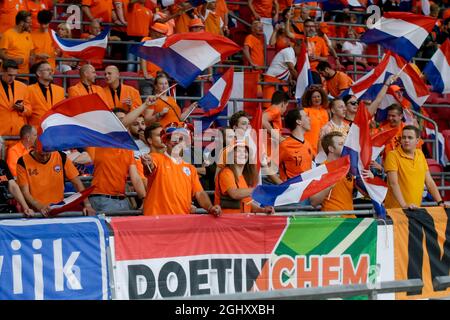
(434, 77)
(75, 43)
(208, 102)
(266, 195)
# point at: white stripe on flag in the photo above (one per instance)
(197, 52)
(401, 28)
(441, 63)
(351, 238)
(218, 88)
(292, 194)
(102, 43)
(315, 173)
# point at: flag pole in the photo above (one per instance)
(163, 92)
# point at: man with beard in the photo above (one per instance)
(336, 82)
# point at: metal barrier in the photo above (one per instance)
(441, 283)
(329, 292)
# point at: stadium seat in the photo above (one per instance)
(130, 82)
(58, 80)
(71, 81)
(434, 166)
(100, 80)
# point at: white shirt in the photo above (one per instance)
(278, 68)
(353, 48)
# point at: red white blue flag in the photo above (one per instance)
(304, 79)
(437, 70)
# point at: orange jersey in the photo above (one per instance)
(34, 8)
(18, 45)
(225, 181)
(341, 196)
(318, 47)
(139, 20)
(81, 90)
(14, 153)
(274, 117)
(263, 7)
(339, 82)
(40, 103)
(174, 113)
(182, 23)
(43, 43)
(111, 168)
(213, 23)
(8, 12)
(256, 48)
(171, 187)
(319, 118)
(221, 9)
(152, 69)
(296, 157)
(13, 120)
(113, 100)
(45, 180)
(100, 9)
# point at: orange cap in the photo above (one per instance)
(395, 88)
(196, 22)
(160, 27)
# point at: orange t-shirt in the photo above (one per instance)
(182, 23)
(319, 118)
(341, 196)
(34, 8)
(100, 9)
(340, 81)
(221, 9)
(174, 113)
(263, 8)
(225, 180)
(139, 19)
(212, 23)
(8, 12)
(43, 43)
(152, 69)
(274, 117)
(296, 157)
(171, 187)
(45, 180)
(256, 46)
(111, 167)
(18, 45)
(126, 91)
(14, 153)
(316, 46)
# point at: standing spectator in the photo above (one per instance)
(351, 104)
(13, 109)
(408, 173)
(95, 28)
(337, 121)
(196, 25)
(336, 82)
(152, 135)
(16, 43)
(44, 49)
(40, 176)
(136, 130)
(173, 183)
(34, 6)
(139, 20)
(296, 154)
(86, 85)
(254, 45)
(28, 136)
(8, 11)
(315, 103)
(267, 12)
(213, 22)
(100, 10)
(118, 94)
(42, 95)
(316, 46)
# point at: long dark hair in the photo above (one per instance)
(249, 172)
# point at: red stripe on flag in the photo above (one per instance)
(419, 85)
(422, 21)
(362, 120)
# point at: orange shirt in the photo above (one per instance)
(296, 157)
(111, 167)
(317, 46)
(125, 92)
(256, 48)
(100, 9)
(263, 8)
(396, 140)
(274, 117)
(182, 23)
(34, 8)
(341, 196)
(139, 19)
(319, 118)
(340, 81)
(212, 23)
(283, 4)
(171, 187)
(225, 181)
(14, 153)
(18, 45)
(40, 104)
(152, 69)
(174, 113)
(43, 43)
(45, 180)
(8, 12)
(221, 9)
(80, 90)
(12, 120)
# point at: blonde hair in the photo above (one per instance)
(66, 27)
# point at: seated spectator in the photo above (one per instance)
(336, 82)
(86, 85)
(7, 183)
(40, 176)
(235, 182)
(315, 104)
(42, 95)
(8, 11)
(118, 94)
(173, 183)
(338, 197)
(16, 43)
(296, 154)
(317, 47)
(254, 45)
(28, 136)
(44, 49)
(354, 48)
(63, 31)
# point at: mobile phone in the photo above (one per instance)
(18, 101)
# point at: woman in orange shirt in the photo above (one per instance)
(165, 110)
(234, 182)
(315, 103)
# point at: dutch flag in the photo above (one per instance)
(438, 69)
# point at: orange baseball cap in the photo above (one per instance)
(196, 22)
(395, 88)
(160, 27)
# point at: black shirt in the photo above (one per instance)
(119, 88)
(44, 91)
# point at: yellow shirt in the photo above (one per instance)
(411, 176)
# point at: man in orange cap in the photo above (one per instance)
(196, 25)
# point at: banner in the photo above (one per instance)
(56, 259)
(421, 248)
(165, 256)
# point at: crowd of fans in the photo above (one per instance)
(312, 133)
